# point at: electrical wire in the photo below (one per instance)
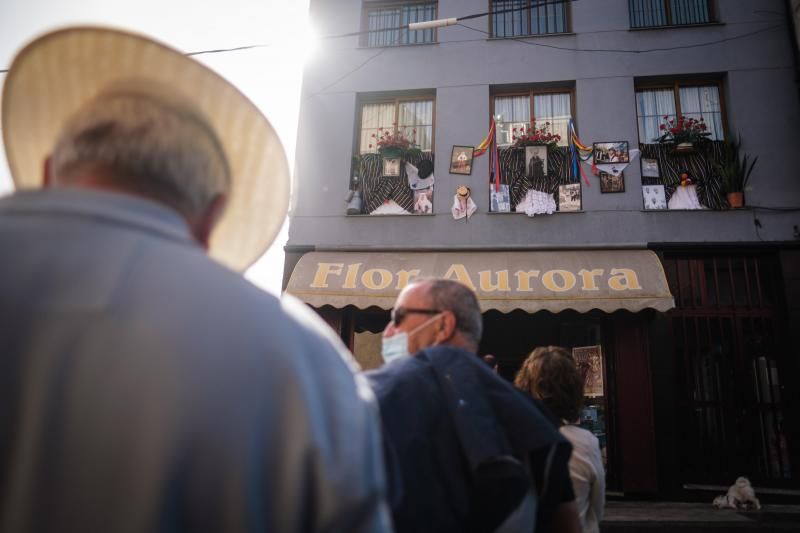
(626, 51)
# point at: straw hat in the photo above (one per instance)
(58, 72)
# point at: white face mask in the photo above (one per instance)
(397, 345)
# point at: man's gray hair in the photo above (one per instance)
(459, 299)
(147, 139)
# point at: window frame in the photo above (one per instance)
(369, 5)
(567, 22)
(674, 84)
(712, 17)
(531, 92)
(396, 99)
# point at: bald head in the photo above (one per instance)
(143, 138)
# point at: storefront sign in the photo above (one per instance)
(502, 280)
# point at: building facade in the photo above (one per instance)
(683, 310)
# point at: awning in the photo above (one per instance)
(532, 281)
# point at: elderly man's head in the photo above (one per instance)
(436, 311)
(142, 139)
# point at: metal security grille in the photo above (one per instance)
(387, 26)
(513, 18)
(730, 362)
(654, 13)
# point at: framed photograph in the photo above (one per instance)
(535, 161)
(650, 168)
(569, 197)
(612, 183)
(461, 160)
(654, 197)
(499, 201)
(589, 360)
(391, 166)
(423, 201)
(611, 152)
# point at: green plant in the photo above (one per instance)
(733, 168)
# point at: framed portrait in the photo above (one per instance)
(650, 168)
(654, 197)
(569, 197)
(461, 160)
(611, 183)
(535, 159)
(391, 166)
(611, 152)
(423, 201)
(589, 360)
(499, 200)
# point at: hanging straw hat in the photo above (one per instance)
(57, 73)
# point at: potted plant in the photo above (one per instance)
(533, 136)
(735, 171)
(683, 133)
(394, 147)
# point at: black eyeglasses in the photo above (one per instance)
(399, 314)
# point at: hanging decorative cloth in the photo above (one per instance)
(537, 203)
(463, 206)
(415, 175)
(616, 169)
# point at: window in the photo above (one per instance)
(387, 23)
(655, 13)
(413, 116)
(692, 100)
(514, 112)
(512, 18)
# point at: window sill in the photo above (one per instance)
(409, 45)
(367, 215)
(532, 36)
(678, 26)
(541, 215)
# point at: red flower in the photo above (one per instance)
(662, 127)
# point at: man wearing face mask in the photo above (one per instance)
(465, 450)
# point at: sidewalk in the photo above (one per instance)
(663, 517)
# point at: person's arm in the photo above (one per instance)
(598, 495)
(566, 519)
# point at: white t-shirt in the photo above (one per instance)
(588, 476)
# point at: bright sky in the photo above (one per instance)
(269, 76)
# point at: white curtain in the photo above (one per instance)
(417, 115)
(697, 102)
(373, 117)
(555, 109)
(651, 107)
(514, 112)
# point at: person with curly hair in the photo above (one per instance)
(551, 376)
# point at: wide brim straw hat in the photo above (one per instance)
(60, 71)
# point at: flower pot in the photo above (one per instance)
(684, 147)
(736, 199)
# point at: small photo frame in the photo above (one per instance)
(423, 201)
(611, 152)
(499, 200)
(535, 156)
(654, 197)
(589, 360)
(569, 197)
(610, 183)
(391, 166)
(650, 168)
(461, 160)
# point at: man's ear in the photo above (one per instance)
(203, 225)
(47, 177)
(446, 328)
